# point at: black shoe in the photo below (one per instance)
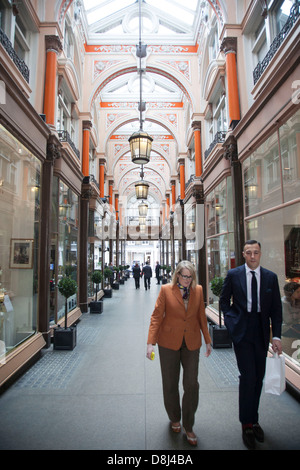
(249, 438)
(258, 433)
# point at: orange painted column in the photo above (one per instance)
(110, 193)
(101, 177)
(182, 178)
(53, 47)
(117, 206)
(229, 46)
(173, 189)
(86, 125)
(167, 205)
(198, 153)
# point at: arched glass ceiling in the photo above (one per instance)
(127, 88)
(159, 17)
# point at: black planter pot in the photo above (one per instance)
(121, 281)
(164, 281)
(96, 307)
(65, 338)
(107, 293)
(116, 286)
(219, 336)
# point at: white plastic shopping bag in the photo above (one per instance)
(275, 375)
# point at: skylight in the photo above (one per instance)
(100, 9)
(159, 17)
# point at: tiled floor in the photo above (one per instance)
(105, 394)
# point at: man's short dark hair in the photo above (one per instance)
(252, 242)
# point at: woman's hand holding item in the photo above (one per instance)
(150, 350)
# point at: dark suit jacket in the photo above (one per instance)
(235, 313)
(147, 271)
(136, 270)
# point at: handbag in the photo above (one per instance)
(275, 374)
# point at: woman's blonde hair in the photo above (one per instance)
(188, 265)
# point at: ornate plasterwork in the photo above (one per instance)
(112, 118)
(171, 118)
(99, 66)
(181, 66)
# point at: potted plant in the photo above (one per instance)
(96, 306)
(219, 334)
(168, 270)
(164, 277)
(116, 284)
(107, 276)
(65, 338)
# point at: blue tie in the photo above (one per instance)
(254, 293)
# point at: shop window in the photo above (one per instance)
(271, 180)
(279, 234)
(272, 172)
(289, 135)
(219, 232)
(64, 246)
(19, 237)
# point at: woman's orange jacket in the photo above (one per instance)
(171, 322)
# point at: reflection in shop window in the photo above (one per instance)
(64, 240)
(279, 234)
(219, 231)
(19, 236)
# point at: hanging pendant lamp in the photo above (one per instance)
(143, 209)
(141, 190)
(140, 142)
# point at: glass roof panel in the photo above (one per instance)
(98, 10)
(174, 9)
(171, 16)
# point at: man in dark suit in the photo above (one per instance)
(255, 305)
(157, 272)
(147, 272)
(136, 274)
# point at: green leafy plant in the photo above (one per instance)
(67, 287)
(96, 278)
(107, 274)
(216, 285)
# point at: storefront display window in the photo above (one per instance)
(95, 244)
(220, 241)
(64, 243)
(278, 229)
(19, 237)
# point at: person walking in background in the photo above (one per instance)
(157, 272)
(176, 325)
(255, 304)
(147, 273)
(136, 270)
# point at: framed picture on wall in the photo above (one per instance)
(21, 253)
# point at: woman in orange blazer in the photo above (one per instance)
(176, 325)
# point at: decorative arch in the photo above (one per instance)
(130, 69)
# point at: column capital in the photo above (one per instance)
(231, 150)
(196, 125)
(53, 43)
(87, 125)
(53, 148)
(229, 44)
